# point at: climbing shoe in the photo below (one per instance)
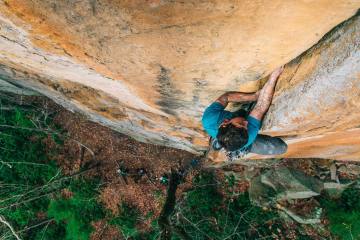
(267, 145)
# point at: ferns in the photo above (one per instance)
(31, 183)
(77, 212)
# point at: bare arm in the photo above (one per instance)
(237, 97)
(265, 96)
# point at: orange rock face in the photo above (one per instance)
(149, 68)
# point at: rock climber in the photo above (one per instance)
(237, 132)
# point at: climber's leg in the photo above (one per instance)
(267, 145)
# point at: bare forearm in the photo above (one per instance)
(265, 98)
(266, 94)
(237, 97)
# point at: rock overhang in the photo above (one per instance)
(148, 69)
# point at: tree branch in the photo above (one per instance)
(2, 219)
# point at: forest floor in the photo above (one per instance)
(137, 173)
(131, 171)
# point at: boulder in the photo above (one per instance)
(349, 169)
(283, 184)
(291, 184)
(312, 218)
(260, 194)
(334, 190)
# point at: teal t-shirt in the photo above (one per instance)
(215, 114)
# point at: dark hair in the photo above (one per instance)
(231, 137)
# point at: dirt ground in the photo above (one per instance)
(131, 171)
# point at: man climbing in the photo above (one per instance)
(237, 132)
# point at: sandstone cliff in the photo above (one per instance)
(149, 68)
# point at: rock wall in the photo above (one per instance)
(317, 102)
(149, 68)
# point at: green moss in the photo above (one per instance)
(344, 214)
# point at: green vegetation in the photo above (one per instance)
(76, 213)
(206, 213)
(344, 214)
(31, 183)
(127, 221)
(25, 171)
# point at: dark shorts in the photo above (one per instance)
(267, 145)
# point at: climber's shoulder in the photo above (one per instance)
(213, 116)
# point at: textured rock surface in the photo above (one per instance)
(149, 68)
(279, 184)
(318, 98)
(291, 184)
(10, 88)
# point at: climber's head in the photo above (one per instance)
(233, 133)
